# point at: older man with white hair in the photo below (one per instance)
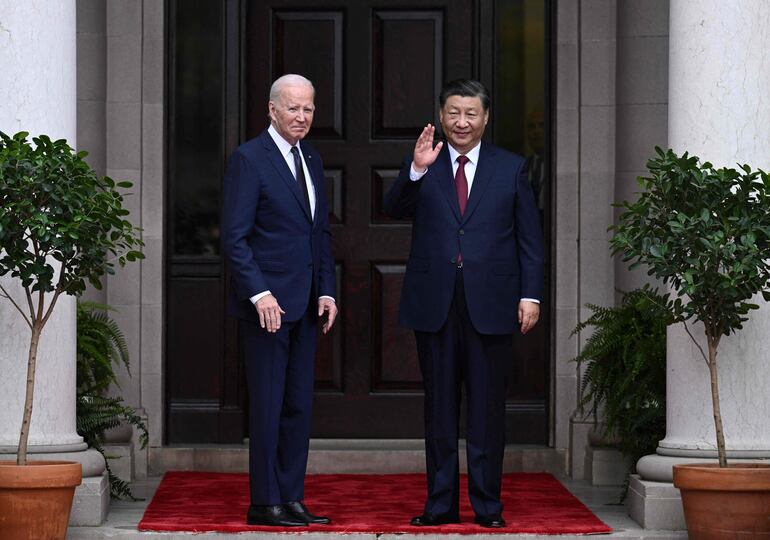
(276, 239)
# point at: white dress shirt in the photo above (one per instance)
(470, 173)
(285, 148)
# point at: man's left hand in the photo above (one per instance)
(328, 306)
(529, 313)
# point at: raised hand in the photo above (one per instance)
(424, 153)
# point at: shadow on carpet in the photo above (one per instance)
(534, 503)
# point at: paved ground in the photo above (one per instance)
(124, 516)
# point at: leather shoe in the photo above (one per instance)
(273, 516)
(429, 520)
(300, 511)
(492, 521)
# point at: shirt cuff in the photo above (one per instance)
(258, 296)
(414, 175)
(329, 297)
(533, 300)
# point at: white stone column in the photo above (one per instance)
(53, 413)
(720, 111)
(38, 95)
(719, 73)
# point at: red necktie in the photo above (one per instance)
(461, 183)
(461, 186)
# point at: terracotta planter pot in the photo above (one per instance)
(725, 503)
(36, 499)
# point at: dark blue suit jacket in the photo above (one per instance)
(499, 236)
(268, 236)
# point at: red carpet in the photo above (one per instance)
(204, 502)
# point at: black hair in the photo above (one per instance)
(465, 88)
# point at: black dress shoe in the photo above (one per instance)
(300, 511)
(429, 520)
(273, 516)
(492, 521)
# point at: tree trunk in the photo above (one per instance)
(21, 456)
(721, 450)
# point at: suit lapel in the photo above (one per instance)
(279, 163)
(484, 170)
(443, 168)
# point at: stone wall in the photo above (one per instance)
(121, 60)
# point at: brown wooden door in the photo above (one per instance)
(377, 67)
(377, 72)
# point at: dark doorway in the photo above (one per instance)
(377, 67)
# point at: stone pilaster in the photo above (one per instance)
(719, 71)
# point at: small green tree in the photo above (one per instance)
(705, 232)
(61, 226)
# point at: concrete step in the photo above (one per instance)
(365, 456)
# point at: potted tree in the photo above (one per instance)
(705, 232)
(61, 226)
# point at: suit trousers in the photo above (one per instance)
(455, 355)
(280, 376)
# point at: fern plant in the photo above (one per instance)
(95, 415)
(624, 377)
(100, 347)
(100, 344)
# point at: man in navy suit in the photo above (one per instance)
(276, 238)
(473, 279)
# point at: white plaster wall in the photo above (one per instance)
(37, 94)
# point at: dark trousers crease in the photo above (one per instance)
(454, 356)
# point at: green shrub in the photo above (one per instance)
(624, 370)
(101, 346)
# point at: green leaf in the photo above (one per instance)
(623, 366)
(53, 200)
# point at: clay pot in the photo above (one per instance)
(725, 503)
(36, 499)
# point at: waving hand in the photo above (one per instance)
(424, 152)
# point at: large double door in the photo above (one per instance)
(377, 70)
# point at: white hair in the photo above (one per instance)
(290, 79)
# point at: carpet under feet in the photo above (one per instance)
(534, 503)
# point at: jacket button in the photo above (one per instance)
(453, 260)
(462, 231)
